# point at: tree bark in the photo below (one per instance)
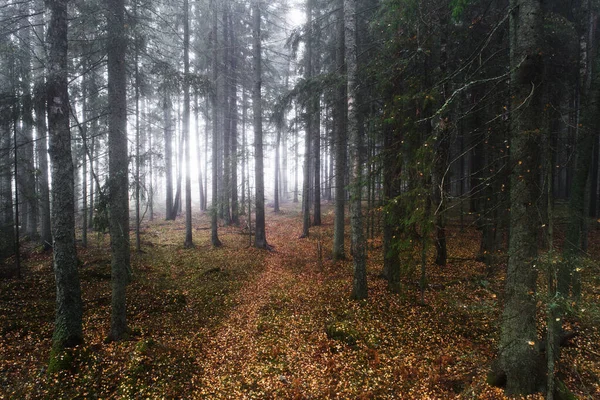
(68, 323)
(260, 239)
(359, 286)
(340, 119)
(168, 134)
(518, 351)
(118, 168)
(215, 126)
(186, 124)
(41, 136)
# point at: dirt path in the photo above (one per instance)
(257, 348)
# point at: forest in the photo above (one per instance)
(299, 199)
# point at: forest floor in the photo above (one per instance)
(235, 322)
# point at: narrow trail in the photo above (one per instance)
(256, 348)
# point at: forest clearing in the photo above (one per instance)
(239, 322)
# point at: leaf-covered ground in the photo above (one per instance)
(235, 322)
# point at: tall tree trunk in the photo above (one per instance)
(186, 124)
(260, 239)
(233, 115)
(518, 351)
(226, 118)
(359, 285)
(201, 193)
(296, 157)
(27, 168)
(41, 136)
(244, 151)
(215, 126)
(68, 323)
(308, 136)
(277, 171)
(136, 68)
(168, 134)
(118, 168)
(84, 160)
(340, 122)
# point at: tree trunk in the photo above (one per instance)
(340, 118)
(41, 142)
(233, 115)
(277, 171)
(186, 124)
(136, 68)
(359, 286)
(518, 351)
(27, 169)
(296, 157)
(308, 136)
(68, 323)
(118, 168)
(215, 126)
(168, 133)
(201, 193)
(260, 239)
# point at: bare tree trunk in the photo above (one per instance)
(277, 171)
(27, 179)
(340, 115)
(296, 145)
(260, 239)
(168, 133)
(136, 67)
(68, 324)
(215, 125)
(235, 213)
(519, 357)
(359, 287)
(118, 168)
(41, 136)
(186, 124)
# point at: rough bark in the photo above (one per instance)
(27, 171)
(340, 118)
(518, 351)
(68, 323)
(168, 135)
(215, 126)
(118, 168)
(233, 104)
(359, 286)
(186, 124)
(260, 239)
